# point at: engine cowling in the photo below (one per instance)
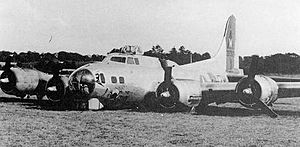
(185, 92)
(56, 88)
(263, 88)
(19, 82)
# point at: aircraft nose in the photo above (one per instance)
(82, 82)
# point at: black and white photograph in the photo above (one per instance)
(98, 73)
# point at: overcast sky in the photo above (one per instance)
(264, 27)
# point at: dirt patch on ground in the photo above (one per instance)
(22, 123)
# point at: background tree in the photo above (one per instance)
(182, 56)
(288, 63)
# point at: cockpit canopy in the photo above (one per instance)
(129, 59)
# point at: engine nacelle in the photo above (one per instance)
(56, 88)
(187, 92)
(263, 87)
(19, 82)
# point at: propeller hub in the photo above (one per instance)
(52, 88)
(247, 91)
(4, 80)
(165, 94)
(56, 88)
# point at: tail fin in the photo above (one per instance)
(226, 52)
(224, 61)
(229, 35)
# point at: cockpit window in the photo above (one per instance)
(130, 60)
(118, 59)
(136, 60)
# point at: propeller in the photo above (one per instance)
(7, 65)
(249, 92)
(5, 77)
(167, 93)
(253, 70)
(56, 86)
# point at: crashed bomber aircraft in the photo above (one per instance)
(125, 79)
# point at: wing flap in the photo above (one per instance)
(288, 89)
(292, 85)
(218, 86)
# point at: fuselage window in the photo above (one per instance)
(113, 79)
(102, 78)
(130, 60)
(121, 80)
(136, 61)
(118, 59)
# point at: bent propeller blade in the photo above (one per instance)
(264, 107)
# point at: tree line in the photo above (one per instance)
(180, 56)
(34, 56)
(288, 63)
(47, 61)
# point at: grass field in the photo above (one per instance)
(22, 123)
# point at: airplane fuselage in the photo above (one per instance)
(134, 77)
(133, 81)
(120, 75)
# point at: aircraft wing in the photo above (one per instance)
(285, 89)
(288, 89)
(260, 96)
(236, 78)
(219, 86)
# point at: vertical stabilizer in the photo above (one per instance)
(230, 44)
(225, 60)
